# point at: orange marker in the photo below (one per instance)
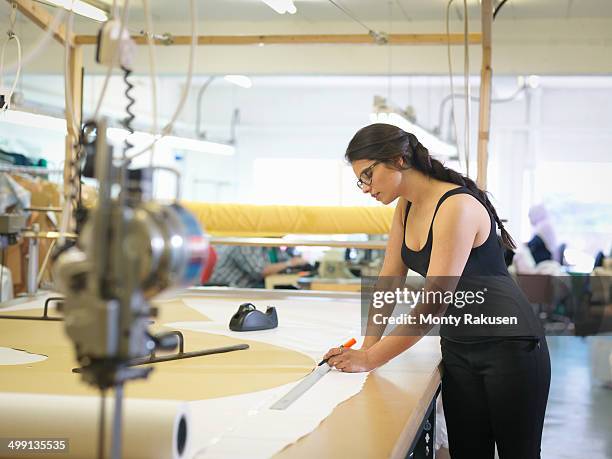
(346, 345)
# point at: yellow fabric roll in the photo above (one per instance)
(260, 221)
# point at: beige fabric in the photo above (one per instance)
(261, 367)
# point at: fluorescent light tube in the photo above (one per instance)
(436, 146)
(139, 138)
(239, 80)
(202, 146)
(81, 8)
(34, 120)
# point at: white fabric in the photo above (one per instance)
(229, 426)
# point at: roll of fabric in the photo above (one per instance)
(151, 428)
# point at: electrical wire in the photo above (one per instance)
(127, 122)
(201, 134)
(70, 189)
(150, 34)
(167, 129)
(498, 100)
(41, 43)
(11, 36)
(194, 41)
(450, 72)
(466, 65)
(468, 102)
(352, 16)
(498, 8)
(115, 57)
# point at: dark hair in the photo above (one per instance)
(386, 143)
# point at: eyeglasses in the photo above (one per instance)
(365, 178)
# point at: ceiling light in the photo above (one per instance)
(239, 80)
(281, 6)
(404, 119)
(81, 8)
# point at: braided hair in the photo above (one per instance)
(386, 143)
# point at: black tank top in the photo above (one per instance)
(486, 267)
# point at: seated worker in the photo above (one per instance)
(246, 267)
(543, 245)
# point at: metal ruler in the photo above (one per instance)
(301, 387)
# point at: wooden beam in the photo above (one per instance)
(486, 74)
(332, 39)
(42, 19)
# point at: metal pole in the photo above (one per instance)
(32, 286)
(116, 446)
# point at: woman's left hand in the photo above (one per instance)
(349, 360)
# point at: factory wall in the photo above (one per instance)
(293, 131)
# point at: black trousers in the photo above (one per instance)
(495, 393)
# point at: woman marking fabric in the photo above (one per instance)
(494, 383)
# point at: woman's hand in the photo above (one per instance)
(349, 360)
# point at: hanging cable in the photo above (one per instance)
(70, 187)
(450, 73)
(40, 44)
(498, 100)
(115, 57)
(11, 36)
(150, 34)
(194, 41)
(468, 102)
(167, 129)
(199, 132)
(390, 56)
(127, 121)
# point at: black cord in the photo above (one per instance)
(127, 121)
(498, 8)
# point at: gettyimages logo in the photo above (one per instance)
(411, 297)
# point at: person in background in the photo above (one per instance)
(543, 245)
(247, 267)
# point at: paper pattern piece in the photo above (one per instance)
(9, 356)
